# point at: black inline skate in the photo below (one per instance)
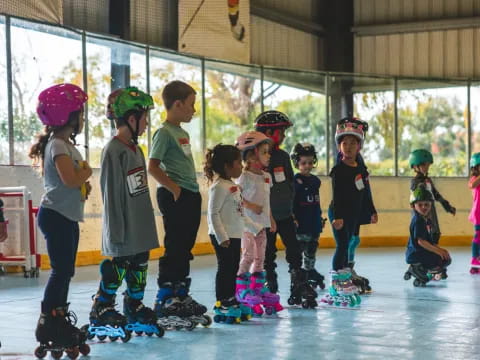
(170, 310)
(362, 283)
(300, 290)
(140, 318)
(272, 282)
(419, 273)
(194, 310)
(56, 332)
(105, 321)
(315, 279)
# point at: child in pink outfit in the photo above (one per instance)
(474, 217)
(255, 184)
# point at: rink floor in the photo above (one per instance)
(398, 321)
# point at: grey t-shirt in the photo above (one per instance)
(64, 200)
(128, 218)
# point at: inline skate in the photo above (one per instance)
(140, 319)
(56, 332)
(315, 279)
(271, 281)
(419, 273)
(300, 290)
(362, 283)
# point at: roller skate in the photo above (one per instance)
(271, 281)
(341, 292)
(362, 283)
(436, 274)
(300, 290)
(238, 31)
(170, 310)
(195, 311)
(140, 319)
(246, 296)
(315, 279)
(419, 273)
(227, 311)
(270, 301)
(475, 265)
(105, 321)
(56, 332)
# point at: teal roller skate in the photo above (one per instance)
(227, 311)
(342, 292)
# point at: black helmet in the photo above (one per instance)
(304, 149)
(272, 119)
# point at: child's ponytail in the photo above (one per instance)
(37, 151)
(217, 158)
(208, 166)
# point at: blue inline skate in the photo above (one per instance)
(140, 319)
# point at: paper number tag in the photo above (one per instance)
(279, 174)
(359, 182)
(185, 145)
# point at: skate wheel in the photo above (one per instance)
(229, 320)
(218, 318)
(56, 354)
(40, 352)
(191, 326)
(128, 336)
(160, 331)
(291, 301)
(113, 338)
(417, 283)
(322, 286)
(407, 276)
(139, 333)
(149, 334)
(305, 305)
(473, 271)
(73, 352)
(84, 349)
(101, 337)
(208, 321)
(269, 311)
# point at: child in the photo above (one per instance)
(349, 200)
(225, 226)
(420, 161)
(3, 224)
(179, 200)
(237, 29)
(427, 260)
(129, 230)
(306, 208)
(60, 109)
(255, 185)
(474, 217)
(273, 124)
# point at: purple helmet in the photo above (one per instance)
(57, 102)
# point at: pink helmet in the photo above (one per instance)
(250, 140)
(57, 102)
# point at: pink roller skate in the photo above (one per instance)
(246, 296)
(475, 265)
(270, 301)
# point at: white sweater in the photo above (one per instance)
(226, 219)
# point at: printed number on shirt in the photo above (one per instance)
(137, 181)
(185, 145)
(279, 174)
(359, 182)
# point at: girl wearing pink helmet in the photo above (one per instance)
(255, 184)
(60, 108)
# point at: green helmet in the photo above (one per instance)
(131, 98)
(420, 156)
(475, 160)
(420, 194)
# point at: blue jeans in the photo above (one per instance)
(342, 238)
(62, 237)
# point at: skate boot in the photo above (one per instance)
(419, 273)
(56, 332)
(315, 279)
(246, 296)
(105, 321)
(272, 283)
(270, 301)
(238, 31)
(195, 311)
(341, 291)
(475, 265)
(170, 310)
(436, 274)
(362, 283)
(300, 290)
(227, 311)
(140, 319)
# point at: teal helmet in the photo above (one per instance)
(131, 98)
(475, 160)
(420, 156)
(420, 194)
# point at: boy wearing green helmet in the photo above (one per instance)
(129, 231)
(427, 260)
(474, 216)
(420, 161)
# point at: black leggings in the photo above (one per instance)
(227, 267)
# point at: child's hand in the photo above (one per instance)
(3, 231)
(374, 219)
(86, 167)
(337, 224)
(257, 209)
(176, 191)
(295, 221)
(225, 244)
(273, 225)
(88, 187)
(443, 254)
(453, 210)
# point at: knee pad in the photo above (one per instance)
(136, 277)
(112, 273)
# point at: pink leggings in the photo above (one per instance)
(253, 252)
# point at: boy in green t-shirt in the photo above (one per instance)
(179, 200)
